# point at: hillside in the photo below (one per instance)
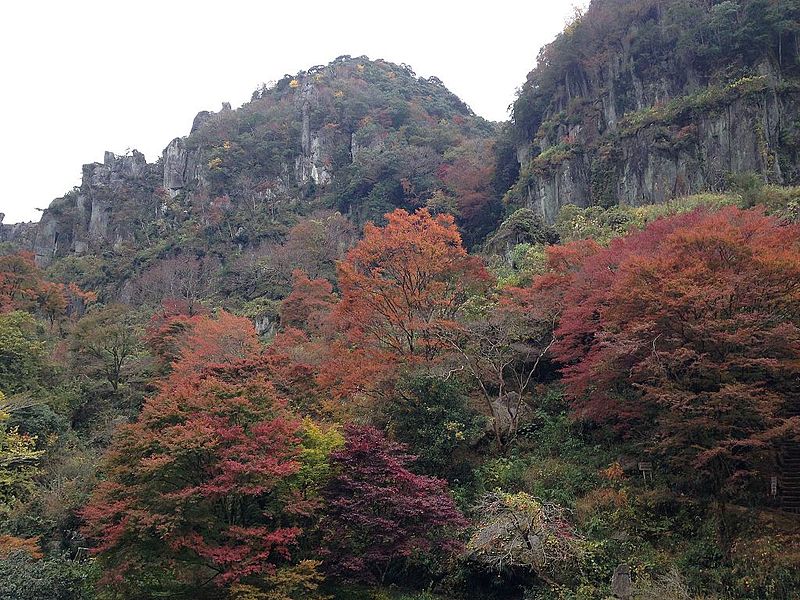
(350, 341)
(356, 136)
(641, 101)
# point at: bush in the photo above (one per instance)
(432, 417)
(56, 578)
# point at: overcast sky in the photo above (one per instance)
(83, 76)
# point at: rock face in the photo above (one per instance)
(182, 166)
(99, 213)
(372, 128)
(661, 161)
(20, 235)
(621, 584)
(616, 115)
(314, 162)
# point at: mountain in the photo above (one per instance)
(641, 101)
(220, 381)
(356, 136)
(636, 102)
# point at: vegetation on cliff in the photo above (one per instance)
(309, 354)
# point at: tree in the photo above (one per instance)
(214, 341)
(400, 285)
(315, 244)
(517, 531)
(309, 304)
(691, 326)
(58, 303)
(380, 515)
(26, 577)
(24, 287)
(106, 342)
(22, 353)
(185, 278)
(501, 343)
(200, 490)
(470, 175)
(431, 416)
(20, 282)
(402, 281)
(168, 326)
(18, 461)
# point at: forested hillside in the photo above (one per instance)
(356, 136)
(352, 341)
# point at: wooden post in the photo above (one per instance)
(646, 469)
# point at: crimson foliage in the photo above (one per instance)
(199, 490)
(689, 333)
(379, 514)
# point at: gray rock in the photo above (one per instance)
(20, 235)
(100, 212)
(182, 167)
(508, 413)
(747, 133)
(200, 119)
(314, 162)
(621, 585)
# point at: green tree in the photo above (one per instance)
(106, 343)
(22, 354)
(18, 461)
(432, 417)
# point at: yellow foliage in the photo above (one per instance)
(300, 581)
(10, 544)
(227, 145)
(318, 443)
(614, 472)
(214, 163)
(338, 94)
(294, 84)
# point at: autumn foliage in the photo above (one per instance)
(690, 328)
(216, 340)
(380, 514)
(309, 303)
(245, 474)
(400, 286)
(24, 287)
(403, 281)
(200, 485)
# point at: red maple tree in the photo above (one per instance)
(690, 331)
(379, 514)
(198, 490)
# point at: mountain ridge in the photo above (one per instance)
(289, 138)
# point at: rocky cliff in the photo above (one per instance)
(639, 102)
(355, 135)
(17, 235)
(103, 212)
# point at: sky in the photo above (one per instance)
(80, 77)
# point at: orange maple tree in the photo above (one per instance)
(403, 281)
(23, 286)
(216, 340)
(400, 286)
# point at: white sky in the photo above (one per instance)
(83, 76)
